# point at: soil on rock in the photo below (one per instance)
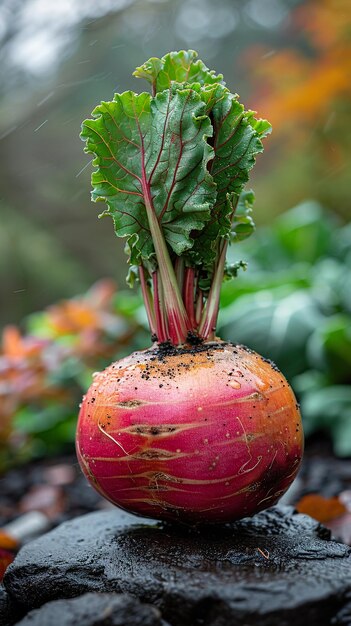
(95, 609)
(278, 567)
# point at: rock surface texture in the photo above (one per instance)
(278, 567)
(94, 609)
(10, 612)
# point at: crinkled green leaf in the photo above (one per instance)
(152, 154)
(232, 269)
(181, 67)
(236, 142)
(237, 137)
(211, 95)
(205, 246)
(245, 204)
(132, 276)
(243, 225)
(261, 126)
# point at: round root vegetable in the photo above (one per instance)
(193, 429)
(205, 434)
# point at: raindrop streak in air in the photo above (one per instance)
(40, 126)
(45, 99)
(83, 168)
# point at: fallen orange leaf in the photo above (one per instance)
(322, 509)
(5, 559)
(7, 542)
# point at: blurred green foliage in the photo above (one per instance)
(293, 305)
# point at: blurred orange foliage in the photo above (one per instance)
(86, 329)
(300, 86)
(322, 509)
(89, 321)
(83, 312)
(6, 558)
(23, 374)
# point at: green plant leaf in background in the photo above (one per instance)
(329, 348)
(275, 325)
(329, 408)
(305, 232)
(51, 429)
(331, 283)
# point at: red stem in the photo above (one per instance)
(199, 306)
(170, 312)
(147, 297)
(188, 295)
(208, 322)
(161, 326)
(179, 272)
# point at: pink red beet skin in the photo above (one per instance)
(208, 434)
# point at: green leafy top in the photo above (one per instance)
(180, 67)
(152, 155)
(171, 168)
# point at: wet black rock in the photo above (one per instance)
(278, 567)
(343, 618)
(95, 609)
(9, 612)
(4, 613)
